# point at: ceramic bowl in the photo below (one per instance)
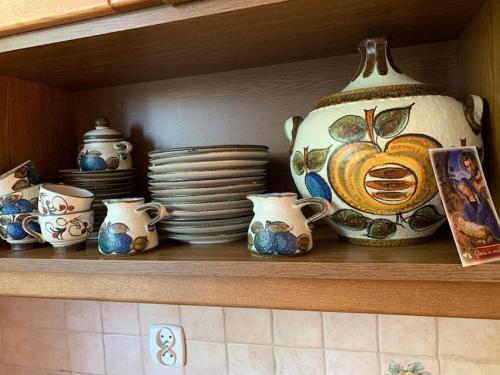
(57, 199)
(65, 232)
(12, 231)
(19, 178)
(22, 201)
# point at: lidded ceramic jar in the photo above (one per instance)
(366, 150)
(104, 148)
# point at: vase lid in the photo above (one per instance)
(378, 77)
(102, 132)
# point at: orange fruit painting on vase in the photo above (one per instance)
(397, 178)
(366, 150)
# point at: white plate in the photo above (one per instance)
(203, 197)
(210, 155)
(204, 223)
(207, 240)
(204, 230)
(198, 149)
(204, 206)
(202, 165)
(207, 174)
(173, 192)
(225, 182)
(97, 174)
(99, 182)
(209, 214)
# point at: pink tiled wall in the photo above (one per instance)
(49, 337)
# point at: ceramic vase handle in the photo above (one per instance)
(123, 147)
(160, 210)
(26, 222)
(318, 201)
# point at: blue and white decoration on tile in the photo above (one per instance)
(417, 368)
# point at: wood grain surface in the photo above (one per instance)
(435, 261)
(215, 35)
(426, 279)
(20, 15)
(244, 106)
(479, 73)
(453, 299)
(128, 5)
(36, 123)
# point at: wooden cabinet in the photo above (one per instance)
(19, 15)
(216, 71)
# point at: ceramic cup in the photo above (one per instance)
(279, 226)
(19, 178)
(128, 227)
(66, 232)
(12, 231)
(22, 201)
(55, 199)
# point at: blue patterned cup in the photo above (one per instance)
(20, 202)
(12, 231)
(18, 178)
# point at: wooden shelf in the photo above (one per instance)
(426, 279)
(215, 35)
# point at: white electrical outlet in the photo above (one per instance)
(167, 345)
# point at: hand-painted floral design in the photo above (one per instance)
(11, 227)
(417, 368)
(66, 229)
(92, 160)
(380, 178)
(115, 238)
(27, 175)
(55, 206)
(421, 219)
(311, 162)
(14, 203)
(275, 237)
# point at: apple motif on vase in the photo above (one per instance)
(366, 150)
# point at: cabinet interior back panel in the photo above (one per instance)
(244, 106)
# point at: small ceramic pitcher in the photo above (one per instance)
(128, 228)
(279, 227)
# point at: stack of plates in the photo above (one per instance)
(108, 184)
(205, 189)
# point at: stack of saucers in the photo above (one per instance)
(107, 184)
(205, 189)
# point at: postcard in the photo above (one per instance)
(469, 208)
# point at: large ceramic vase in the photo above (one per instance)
(365, 150)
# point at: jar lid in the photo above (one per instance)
(378, 77)
(102, 132)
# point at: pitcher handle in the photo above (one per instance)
(160, 210)
(26, 221)
(124, 148)
(325, 205)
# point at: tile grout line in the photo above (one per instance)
(140, 338)
(66, 335)
(323, 341)
(185, 339)
(225, 338)
(436, 322)
(377, 335)
(275, 359)
(102, 339)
